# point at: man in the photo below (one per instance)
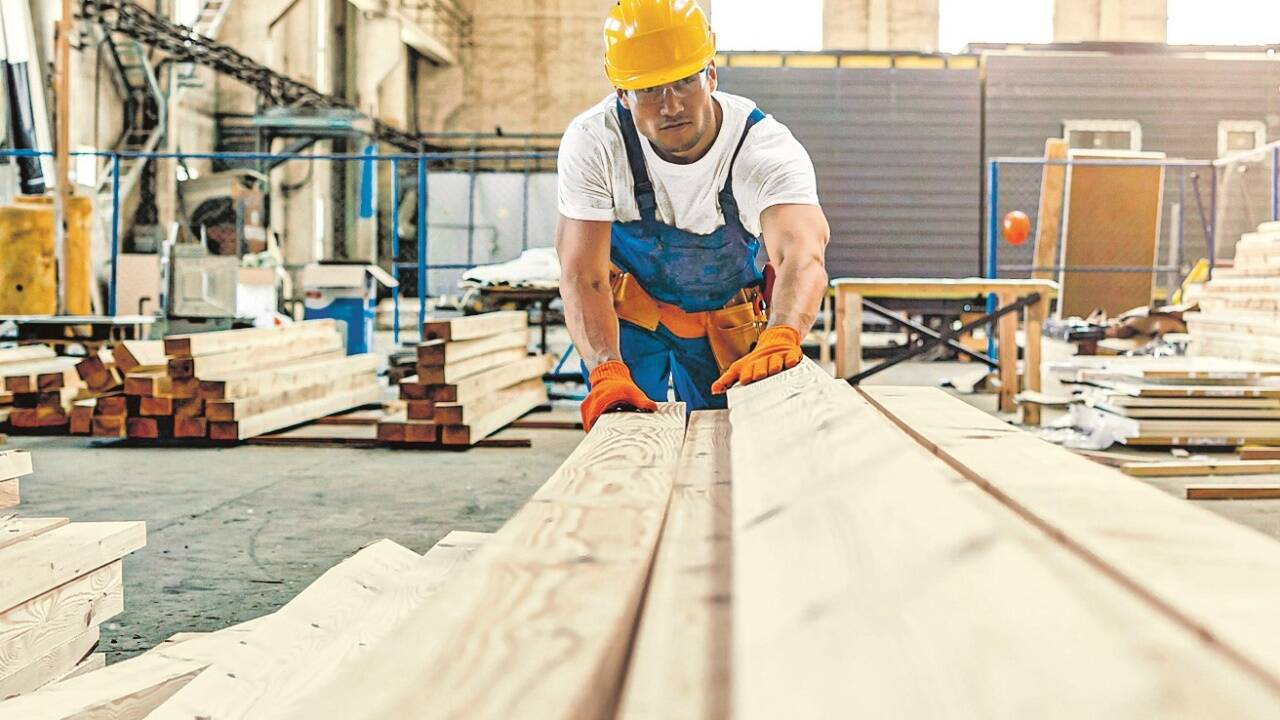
(666, 189)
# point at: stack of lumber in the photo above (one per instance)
(474, 377)
(814, 552)
(234, 384)
(335, 619)
(17, 358)
(60, 581)
(1240, 306)
(1178, 401)
(43, 387)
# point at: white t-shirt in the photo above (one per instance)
(595, 181)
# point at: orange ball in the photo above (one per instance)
(1017, 226)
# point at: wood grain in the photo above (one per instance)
(538, 623)
(58, 616)
(16, 529)
(441, 352)
(50, 666)
(1186, 468)
(475, 326)
(1214, 578)
(679, 667)
(1233, 492)
(509, 404)
(63, 554)
(871, 580)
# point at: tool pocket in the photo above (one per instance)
(633, 304)
(732, 333)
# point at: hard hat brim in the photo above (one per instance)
(630, 80)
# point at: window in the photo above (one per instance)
(1102, 134)
(1240, 136)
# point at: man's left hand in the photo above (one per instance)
(777, 349)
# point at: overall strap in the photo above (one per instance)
(728, 204)
(645, 198)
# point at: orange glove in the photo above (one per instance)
(777, 349)
(613, 389)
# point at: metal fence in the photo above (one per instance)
(481, 207)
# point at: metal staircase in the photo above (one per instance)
(144, 113)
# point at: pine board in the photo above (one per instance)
(50, 666)
(475, 326)
(266, 381)
(455, 371)
(1213, 577)
(223, 341)
(298, 413)
(679, 667)
(435, 353)
(876, 584)
(10, 494)
(481, 384)
(14, 530)
(1189, 468)
(42, 624)
(538, 622)
(1233, 492)
(131, 355)
(61, 555)
(14, 464)
(512, 403)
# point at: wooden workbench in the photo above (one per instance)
(850, 291)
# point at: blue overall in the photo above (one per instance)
(691, 271)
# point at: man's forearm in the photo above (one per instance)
(592, 321)
(797, 291)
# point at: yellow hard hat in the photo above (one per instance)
(653, 42)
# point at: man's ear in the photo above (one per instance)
(711, 75)
(622, 97)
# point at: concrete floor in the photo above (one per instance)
(235, 533)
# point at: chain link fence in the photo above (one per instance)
(1248, 195)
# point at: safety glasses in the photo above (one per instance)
(680, 88)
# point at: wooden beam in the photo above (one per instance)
(133, 355)
(475, 326)
(24, 354)
(343, 373)
(51, 619)
(60, 555)
(398, 428)
(14, 464)
(52, 665)
(279, 379)
(151, 406)
(679, 667)
(10, 493)
(110, 426)
(1053, 180)
(16, 529)
(455, 413)
(477, 386)
(1176, 468)
(1233, 492)
(148, 428)
(223, 341)
(1128, 530)
(338, 619)
(287, 349)
(38, 375)
(455, 371)
(298, 413)
(436, 353)
(563, 578)
(190, 427)
(509, 405)
(1259, 452)
(862, 585)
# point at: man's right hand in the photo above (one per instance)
(613, 389)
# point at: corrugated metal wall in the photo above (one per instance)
(1178, 100)
(897, 156)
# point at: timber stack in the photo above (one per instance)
(681, 569)
(61, 580)
(1239, 314)
(235, 384)
(1178, 401)
(474, 377)
(43, 388)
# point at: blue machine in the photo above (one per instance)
(347, 293)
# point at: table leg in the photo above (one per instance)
(1007, 337)
(848, 333)
(1036, 315)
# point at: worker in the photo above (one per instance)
(666, 189)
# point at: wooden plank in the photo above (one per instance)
(1221, 587)
(454, 413)
(862, 586)
(110, 426)
(190, 427)
(1233, 492)
(95, 661)
(42, 624)
(50, 666)
(338, 619)
(679, 667)
(437, 353)
(97, 374)
(286, 349)
(151, 406)
(297, 413)
(14, 530)
(38, 375)
(14, 464)
(420, 409)
(10, 494)
(511, 403)
(131, 355)
(25, 354)
(1259, 452)
(456, 371)
(115, 404)
(278, 379)
(344, 374)
(1006, 334)
(1049, 217)
(223, 341)
(563, 579)
(1177, 468)
(58, 556)
(475, 326)
(82, 416)
(148, 428)
(489, 381)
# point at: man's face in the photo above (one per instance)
(677, 116)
